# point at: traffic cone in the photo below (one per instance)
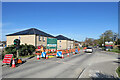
(73, 53)
(62, 56)
(46, 56)
(37, 57)
(13, 63)
(67, 54)
(19, 61)
(46, 50)
(70, 50)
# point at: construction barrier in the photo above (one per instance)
(67, 53)
(57, 53)
(79, 50)
(38, 53)
(73, 50)
(46, 56)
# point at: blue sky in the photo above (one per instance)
(76, 20)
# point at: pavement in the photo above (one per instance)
(83, 65)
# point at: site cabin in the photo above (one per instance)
(108, 45)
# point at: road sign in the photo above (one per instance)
(59, 54)
(43, 54)
(7, 58)
(76, 50)
(51, 43)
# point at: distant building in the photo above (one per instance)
(77, 44)
(30, 36)
(64, 42)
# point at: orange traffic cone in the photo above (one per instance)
(46, 56)
(62, 56)
(67, 54)
(73, 53)
(19, 61)
(13, 63)
(37, 57)
(46, 50)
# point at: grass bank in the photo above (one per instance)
(115, 50)
(26, 56)
(118, 71)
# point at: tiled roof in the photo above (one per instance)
(61, 37)
(30, 32)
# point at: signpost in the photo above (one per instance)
(17, 44)
(7, 58)
(51, 43)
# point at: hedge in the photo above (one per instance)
(23, 50)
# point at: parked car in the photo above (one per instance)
(89, 49)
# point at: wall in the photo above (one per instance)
(62, 44)
(28, 39)
(41, 42)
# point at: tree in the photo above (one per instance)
(89, 41)
(106, 36)
(95, 42)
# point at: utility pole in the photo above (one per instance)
(103, 40)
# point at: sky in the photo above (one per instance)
(75, 20)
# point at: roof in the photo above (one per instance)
(31, 31)
(61, 37)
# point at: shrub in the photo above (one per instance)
(23, 50)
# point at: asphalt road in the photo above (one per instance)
(84, 65)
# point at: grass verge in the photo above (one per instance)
(115, 50)
(118, 71)
(26, 56)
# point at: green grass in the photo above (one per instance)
(115, 50)
(118, 71)
(26, 56)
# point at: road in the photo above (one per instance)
(84, 65)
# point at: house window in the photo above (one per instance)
(60, 46)
(60, 41)
(43, 39)
(39, 38)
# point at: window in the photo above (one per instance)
(43, 39)
(60, 41)
(60, 46)
(39, 38)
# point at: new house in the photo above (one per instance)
(31, 36)
(64, 42)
